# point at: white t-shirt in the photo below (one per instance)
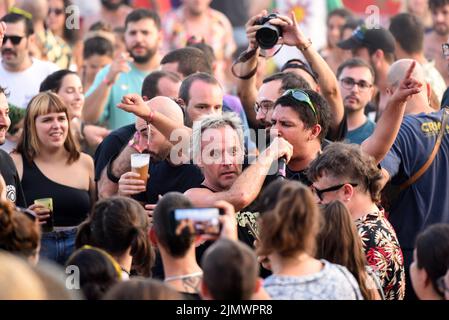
(24, 85)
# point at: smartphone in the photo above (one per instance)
(198, 220)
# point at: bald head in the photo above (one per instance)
(38, 8)
(168, 108)
(399, 69)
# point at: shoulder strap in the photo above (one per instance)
(429, 161)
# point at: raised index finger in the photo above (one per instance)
(410, 70)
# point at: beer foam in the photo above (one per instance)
(139, 160)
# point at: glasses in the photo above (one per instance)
(442, 285)
(56, 11)
(15, 40)
(301, 96)
(320, 193)
(264, 106)
(349, 83)
(299, 64)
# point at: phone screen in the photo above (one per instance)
(198, 220)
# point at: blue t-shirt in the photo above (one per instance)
(426, 201)
(130, 82)
(361, 133)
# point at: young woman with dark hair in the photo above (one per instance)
(338, 242)
(120, 226)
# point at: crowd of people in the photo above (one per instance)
(278, 163)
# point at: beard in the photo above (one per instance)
(441, 29)
(150, 52)
(112, 6)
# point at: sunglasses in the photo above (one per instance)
(349, 83)
(320, 193)
(264, 106)
(301, 96)
(299, 64)
(15, 40)
(359, 33)
(56, 11)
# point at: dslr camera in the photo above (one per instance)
(269, 34)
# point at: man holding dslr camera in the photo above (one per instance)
(265, 30)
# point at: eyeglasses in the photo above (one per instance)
(349, 83)
(320, 193)
(56, 11)
(264, 106)
(15, 40)
(445, 47)
(442, 285)
(303, 97)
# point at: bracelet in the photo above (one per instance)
(150, 117)
(109, 173)
(306, 46)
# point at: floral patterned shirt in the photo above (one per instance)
(383, 253)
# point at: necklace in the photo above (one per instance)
(184, 276)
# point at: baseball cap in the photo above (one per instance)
(372, 39)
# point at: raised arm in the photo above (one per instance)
(293, 36)
(387, 128)
(97, 97)
(247, 88)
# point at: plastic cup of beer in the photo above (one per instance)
(140, 164)
(48, 204)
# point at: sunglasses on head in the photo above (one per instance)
(15, 40)
(359, 33)
(56, 11)
(303, 97)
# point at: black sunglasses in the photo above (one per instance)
(15, 40)
(320, 193)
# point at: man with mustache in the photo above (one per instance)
(19, 72)
(439, 35)
(356, 79)
(127, 72)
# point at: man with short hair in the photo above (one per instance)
(249, 94)
(356, 85)
(127, 72)
(408, 31)
(217, 147)
(201, 95)
(402, 144)
(375, 46)
(17, 66)
(230, 271)
(439, 35)
(186, 61)
(112, 155)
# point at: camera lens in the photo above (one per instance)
(267, 36)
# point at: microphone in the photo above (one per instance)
(282, 167)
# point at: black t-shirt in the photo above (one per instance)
(111, 147)
(8, 170)
(165, 177)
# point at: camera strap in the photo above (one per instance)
(244, 57)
